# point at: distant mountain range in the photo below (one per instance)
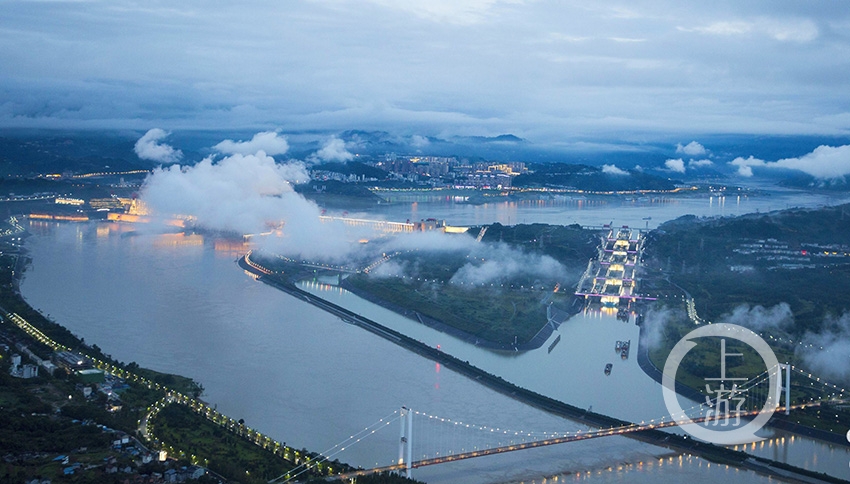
(377, 143)
(25, 152)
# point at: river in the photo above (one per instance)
(639, 211)
(307, 378)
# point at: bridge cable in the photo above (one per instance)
(341, 446)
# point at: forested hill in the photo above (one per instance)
(584, 177)
(800, 257)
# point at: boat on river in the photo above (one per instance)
(622, 347)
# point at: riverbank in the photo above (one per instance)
(53, 414)
(649, 435)
(778, 421)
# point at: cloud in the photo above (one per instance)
(655, 323)
(390, 268)
(825, 162)
(745, 165)
(238, 193)
(560, 37)
(677, 165)
(783, 30)
(613, 170)
(826, 353)
(148, 147)
(722, 28)
(489, 262)
(269, 142)
(625, 40)
(418, 141)
(791, 31)
(333, 150)
(430, 241)
(246, 194)
(463, 80)
(496, 263)
(459, 12)
(692, 149)
(759, 318)
(829, 353)
(700, 163)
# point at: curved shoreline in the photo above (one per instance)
(656, 374)
(678, 443)
(778, 421)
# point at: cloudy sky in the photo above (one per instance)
(543, 70)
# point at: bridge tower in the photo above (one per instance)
(405, 444)
(786, 386)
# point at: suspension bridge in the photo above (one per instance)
(424, 439)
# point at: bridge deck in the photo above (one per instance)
(545, 442)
